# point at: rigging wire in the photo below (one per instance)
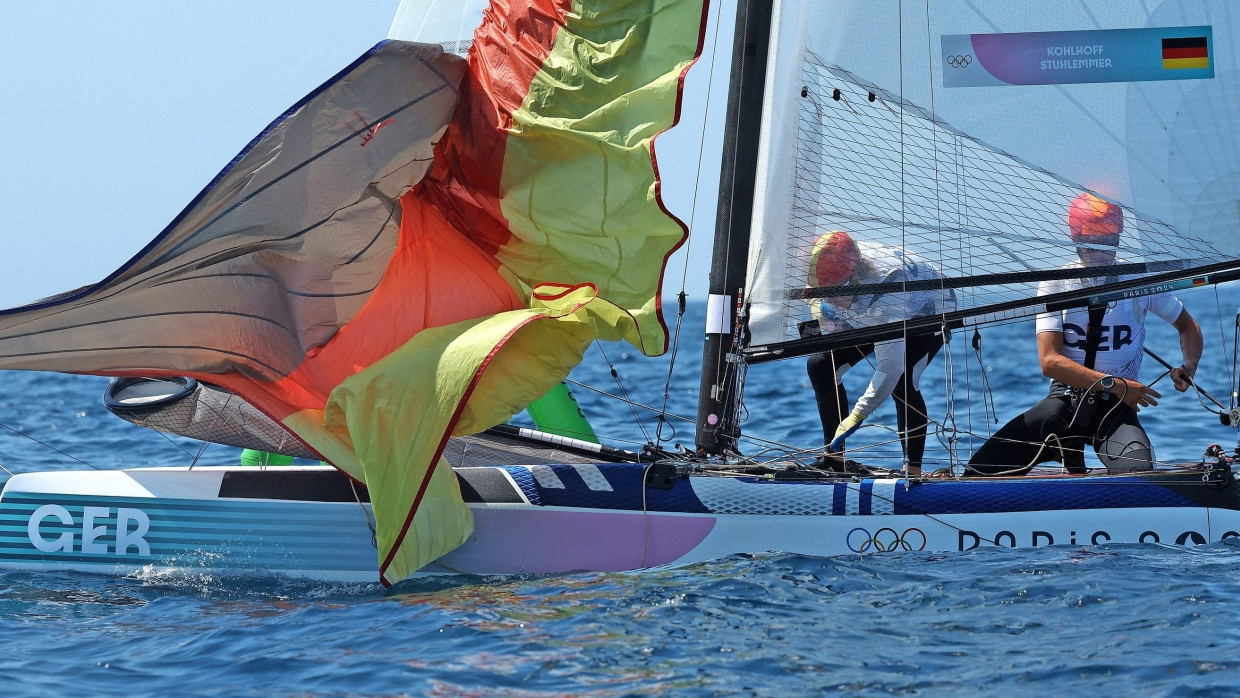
(968, 403)
(370, 523)
(948, 428)
(168, 438)
(1222, 337)
(221, 412)
(1235, 354)
(989, 408)
(671, 365)
(710, 81)
(1200, 393)
(47, 445)
(949, 387)
(661, 415)
(620, 384)
(903, 202)
(631, 402)
(1233, 377)
(1233, 386)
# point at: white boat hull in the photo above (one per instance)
(555, 519)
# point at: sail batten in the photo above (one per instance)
(984, 280)
(1201, 276)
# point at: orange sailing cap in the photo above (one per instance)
(1092, 220)
(834, 258)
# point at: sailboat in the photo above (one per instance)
(425, 244)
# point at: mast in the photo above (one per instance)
(717, 425)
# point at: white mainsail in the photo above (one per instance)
(449, 23)
(861, 134)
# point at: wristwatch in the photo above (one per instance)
(1106, 382)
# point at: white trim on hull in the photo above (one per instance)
(211, 519)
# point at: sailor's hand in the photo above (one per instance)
(1183, 376)
(1136, 394)
(845, 430)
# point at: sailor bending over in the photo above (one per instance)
(1093, 362)
(838, 260)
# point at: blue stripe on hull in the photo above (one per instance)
(624, 479)
(866, 502)
(1034, 494)
(565, 486)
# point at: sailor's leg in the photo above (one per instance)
(1019, 444)
(826, 373)
(911, 421)
(1122, 444)
(1067, 434)
(911, 415)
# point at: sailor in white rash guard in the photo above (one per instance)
(839, 260)
(1094, 395)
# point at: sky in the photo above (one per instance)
(119, 113)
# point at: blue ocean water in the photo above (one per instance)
(1114, 620)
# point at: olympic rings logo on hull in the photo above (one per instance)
(885, 540)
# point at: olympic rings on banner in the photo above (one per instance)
(960, 61)
(885, 540)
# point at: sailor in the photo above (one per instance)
(1092, 357)
(839, 260)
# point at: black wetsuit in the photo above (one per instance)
(1076, 418)
(825, 369)
(888, 265)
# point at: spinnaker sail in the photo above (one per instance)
(418, 249)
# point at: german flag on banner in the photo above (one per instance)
(1185, 52)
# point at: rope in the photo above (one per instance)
(370, 523)
(667, 383)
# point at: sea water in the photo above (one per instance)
(1063, 620)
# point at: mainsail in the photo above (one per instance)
(870, 128)
(417, 249)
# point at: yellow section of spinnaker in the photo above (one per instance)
(589, 241)
(470, 375)
(578, 187)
